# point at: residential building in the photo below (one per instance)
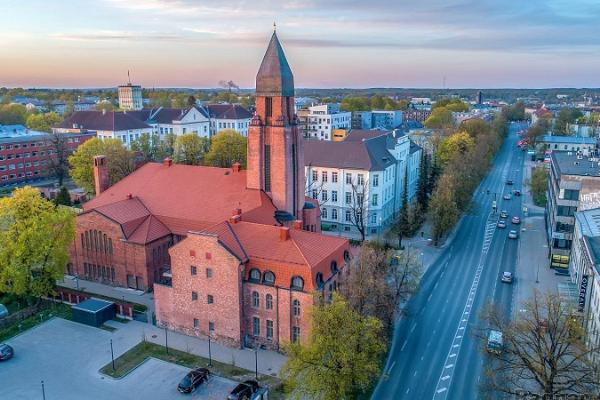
(235, 254)
(418, 112)
(377, 119)
(27, 156)
(584, 269)
(130, 97)
(587, 146)
(363, 174)
(362, 120)
(228, 116)
(573, 185)
(323, 119)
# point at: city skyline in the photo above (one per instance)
(185, 43)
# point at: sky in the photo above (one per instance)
(328, 43)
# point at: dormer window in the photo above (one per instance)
(334, 268)
(297, 283)
(269, 278)
(319, 279)
(254, 275)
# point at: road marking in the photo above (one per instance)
(449, 366)
(429, 298)
(415, 374)
(413, 327)
(455, 345)
(442, 390)
(407, 390)
(404, 345)
(391, 366)
(446, 377)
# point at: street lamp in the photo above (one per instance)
(43, 391)
(256, 361)
(209, 352)
(166, 340)
(112, 355)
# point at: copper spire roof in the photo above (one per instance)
(274, 76)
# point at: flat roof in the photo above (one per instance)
(569, 163)
(93, 305)
(569, 139)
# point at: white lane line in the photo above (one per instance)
(413, 327)
(415, 374)
(449, 366)
(441, 390)
(403, 346)
(446, 377)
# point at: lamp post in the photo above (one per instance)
(166, 340)
(209, 352)
(112, 355)
(43, 391)
(256, 362)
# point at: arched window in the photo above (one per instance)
(297, 283)
(105, 244)
(255, 275)
(346, 256)
(110, 246)
(334, 268)
(82, 241)
(100, 243)
(87, 240)
(319, 279)
(269, 302)
(269, 278)
(255, 300)
(296, 308)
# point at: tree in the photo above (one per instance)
(443, 209)
(537, 131)
(63, 197)
(165, 147)
(379, 279)
(475, 127)
(227, 147)
(11, 114)
(402, 225)
(105, 105)
(147, 145)
(358, 207)
(355, 104)
(342, 358)
(422, 185)
(565, 117)
(120, 162)
(191, 101)
(516, 112)
(190, 149)
(453, 105)
(59, 162)
(544, 352)
(539, 184)
(454, 146)
(34, 241)
(43, 122)
(440, 118)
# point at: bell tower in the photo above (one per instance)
(275, 144)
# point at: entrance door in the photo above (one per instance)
(131, 281)
(139, 283)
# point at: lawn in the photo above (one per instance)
(55, 310)
(142, 351)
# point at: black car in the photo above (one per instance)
(509, 182)
(243, 391)
(6, 352)
(193, 379)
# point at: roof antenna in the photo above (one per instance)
(128, 78)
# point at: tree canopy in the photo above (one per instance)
(34, 239)
(227, 147)
(453, 105)
(440, 118)
(342, 358)
(190, 149)
(454, 146)
(120, 162)
(43, 122)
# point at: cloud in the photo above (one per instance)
(118, 36)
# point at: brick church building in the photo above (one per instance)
(233, 253)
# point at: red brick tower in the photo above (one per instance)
(275, 147)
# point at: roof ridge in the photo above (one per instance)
(237, 239)
(300, 251)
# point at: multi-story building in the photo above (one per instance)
(585, 145)
(228, 116)
(231, 253)
(573, 185)
(130, 97)
(364, 174)
(584, 267)
(321, 120)
(377, 119)
(27, 156)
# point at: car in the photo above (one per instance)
(513, 235)
(516, 220)
(193, 379)
(6, 352)
(517, 193)
(509, 182)
(507, 277)
(244, 390)
(501, 224)
(503, 214)
(506, 196)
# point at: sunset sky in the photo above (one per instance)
(329, 43)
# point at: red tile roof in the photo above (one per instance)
(180, 198)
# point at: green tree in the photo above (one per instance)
(43, 122)
(190, 149)
(454, 105)
(422, 185)
(120, 162)
(475, 127)
(402, 226)
(516, 112)
(454, 146)
(63, 197)
(440, 118)
(355, 104)
(34, 241)
(539, 185)
(342, 358)
(147, 144)
(377, 103)
(565, 117)
(535, 132)
(11, 114)
(227, 147)
(443, 209)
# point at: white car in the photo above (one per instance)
(513, 235)
(507, 277)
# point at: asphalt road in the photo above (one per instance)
(436, 353)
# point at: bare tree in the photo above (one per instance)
(58, 149)
(544, 351)
(359, 207)
(315, 188)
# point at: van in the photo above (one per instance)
(494, 343)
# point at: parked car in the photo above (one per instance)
(501, 224)
(244, 390)
(516, 220)
(513, 235)
(507, 277)
(6, 352)
(506, 196)
(503, 214)
(495, 342)
(509, 182)
(193, 379)
(3, 311)
(517, 193)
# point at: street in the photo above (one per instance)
(435, 353)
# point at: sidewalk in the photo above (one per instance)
(269, 362)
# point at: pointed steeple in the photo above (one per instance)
(274, 76)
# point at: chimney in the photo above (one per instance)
(234, 219)
(101, 178)
(237, 211)
(129, 196)
(284, 233)
(297, 225)
(167, 162)
(236, 167)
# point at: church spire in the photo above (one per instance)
(274, 76)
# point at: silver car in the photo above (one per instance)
(513, 235)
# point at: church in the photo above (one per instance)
(232, 253)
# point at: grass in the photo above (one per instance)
(144, 350)
(58, 310)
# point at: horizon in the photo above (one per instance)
(437, 44)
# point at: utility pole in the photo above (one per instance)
(43, 391)
(112, 355)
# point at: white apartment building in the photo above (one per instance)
(584, 267)
(228, 116)
(321, 120)
(366, 170)
(130, 97)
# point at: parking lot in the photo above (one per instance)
(67, 356)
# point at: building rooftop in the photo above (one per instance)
(589, 224)
(570, 163)
(568, 139)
